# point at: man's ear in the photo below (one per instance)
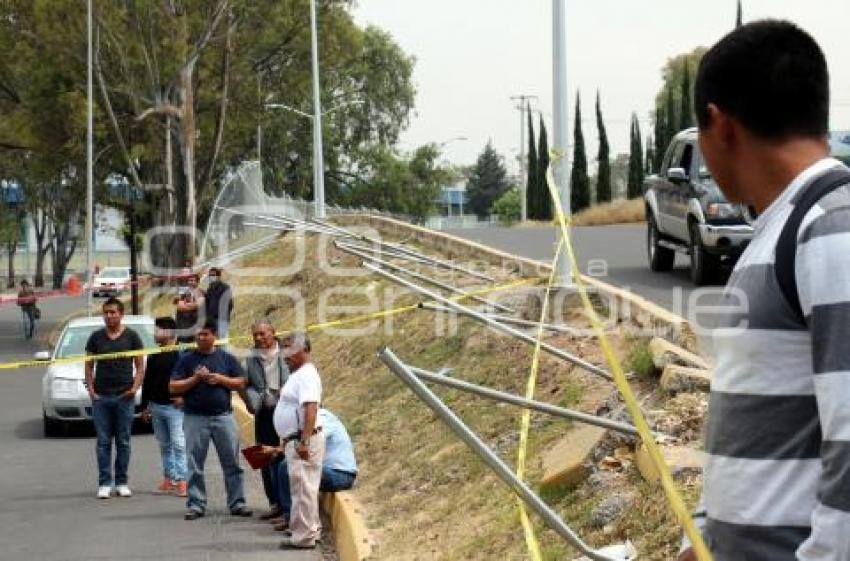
(724, 128)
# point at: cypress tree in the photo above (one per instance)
(532, 189)
(686, 112)
(739, 20)
(670, 119)
(660, 138)
(650, 156)
(579, 182)
(635, 183)
(543, 166)
(603, 176)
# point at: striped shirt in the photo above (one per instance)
(777, 473)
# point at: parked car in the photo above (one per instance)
(686, 212)
(111, 281)
(64, 395)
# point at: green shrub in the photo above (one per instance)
(508, 206)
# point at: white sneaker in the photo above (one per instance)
(124, 491)
(104, 492)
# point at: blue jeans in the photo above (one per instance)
(167, 423)
(332, 481)
(29, 322)
(113, 419)
(222, 430)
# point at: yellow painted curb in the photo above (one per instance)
(351, 536)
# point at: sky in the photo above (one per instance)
(473, 55)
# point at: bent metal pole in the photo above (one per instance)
(423, 278)
(519, 487)
(504, 397)
(499, 326)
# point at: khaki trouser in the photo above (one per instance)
(304, 480)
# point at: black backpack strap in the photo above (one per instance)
(786, 246)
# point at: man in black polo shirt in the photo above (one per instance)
(112, 388)
(206, 377)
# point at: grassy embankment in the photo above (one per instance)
(427, 495)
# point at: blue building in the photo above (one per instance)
(451, 200)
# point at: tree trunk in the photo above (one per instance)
(40, 227)
(11, 249)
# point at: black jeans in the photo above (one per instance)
(264, 433)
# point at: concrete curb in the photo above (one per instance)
(351, 536)
(622, 303)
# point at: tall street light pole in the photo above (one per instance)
(318, 152)
(89, 166)
(561, 129)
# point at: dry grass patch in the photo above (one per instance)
(621, 211)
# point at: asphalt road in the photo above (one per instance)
(614, 254)
(47, 486)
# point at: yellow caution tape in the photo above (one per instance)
(313, 327)
(530, 537)
(677, 505)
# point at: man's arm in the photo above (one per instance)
(90, 379)
(311, 411)
(823, 282)
(179, 387)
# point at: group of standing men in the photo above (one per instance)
(187, 397)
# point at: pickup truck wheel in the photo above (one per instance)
(660, 258)
(703, 264)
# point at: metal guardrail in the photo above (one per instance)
(624, 552)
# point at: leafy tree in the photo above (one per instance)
(579, 180)
(667, 119)
(542, 168)
(507, 207)
(686, 111)
(532, 187)
(487, 181)
(635, 184)
(603, 177)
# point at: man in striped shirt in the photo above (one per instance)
(777, 473)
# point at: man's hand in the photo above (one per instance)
(212, 378)
(272, 451)
(177, 402)
(146, 415)
(130, 394)
(302, 450)
(93, 396)
(688, 555)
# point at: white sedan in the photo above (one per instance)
(64, 396)
(111, 281)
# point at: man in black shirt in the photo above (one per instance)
(219, 302)
(165, 411)
(206, 377)
(112, 388)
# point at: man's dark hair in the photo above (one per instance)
(771, 76)
(113, 301)
(211, 325)
(166, 322)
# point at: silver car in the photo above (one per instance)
(111, 281)
(64, 396)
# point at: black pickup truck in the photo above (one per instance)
(686, 212)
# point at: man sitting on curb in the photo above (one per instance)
(339, 468)
(205, 377)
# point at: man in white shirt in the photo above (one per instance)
(296, 419)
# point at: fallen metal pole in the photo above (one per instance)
(423, 278)
(519, 487)
(505, 319)
(388, 253)
(399, 248)
(504, 397)
(492, 322)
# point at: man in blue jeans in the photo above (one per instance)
(339, 468)
(206, 377)
(112, 388)
(165, 411)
